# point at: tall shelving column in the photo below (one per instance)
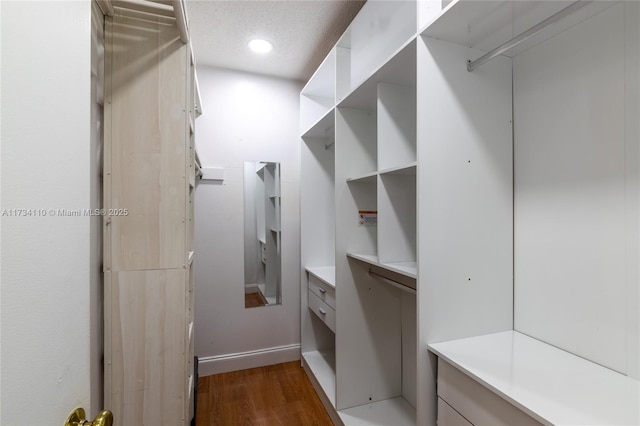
(358, 223)
(148, 234)
(317, 220)
(495, 193)
(465, 148)
(376, 261)
(272, 231)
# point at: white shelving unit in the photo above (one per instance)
(272, 233)
(371, 116)
(149, 253)
(371, 40)
(545, 383)
(267, 211)
(317, 206)
(501, 200)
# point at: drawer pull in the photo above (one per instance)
(322, 311)
(322, 290)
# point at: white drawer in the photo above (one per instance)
(323, 311)
(474, 402)
(323, 291)
(447, 416)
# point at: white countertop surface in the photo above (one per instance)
(326, 274)
(551, 385)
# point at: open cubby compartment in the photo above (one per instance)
(396, 119)
(272, 215)
(362, 234)
(379, 29)
(343, 66)
(397, 217)
(377, 350)
(391, 93)
(396, 108)
(272, 179)
(272, 266)
(317, 195)
(319, 357)
(319, 95)
(356, 138)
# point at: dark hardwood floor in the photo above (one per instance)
(267, 396)
(253, 300)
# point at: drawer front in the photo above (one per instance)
(323, 311)
(323, 291)
(447, 416)
(474, 402)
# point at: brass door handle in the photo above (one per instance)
(77, 418)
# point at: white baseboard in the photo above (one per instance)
(208, 366)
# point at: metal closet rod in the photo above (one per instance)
(391, 282)
(471, 65)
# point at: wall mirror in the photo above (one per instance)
(262, 234)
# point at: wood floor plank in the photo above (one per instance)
(253, 300)
(275, 395)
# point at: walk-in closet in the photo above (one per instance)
(320, 212)
(469, 215)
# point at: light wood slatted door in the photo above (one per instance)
(147, 107)
(149, 180)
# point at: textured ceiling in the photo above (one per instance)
(301, 31)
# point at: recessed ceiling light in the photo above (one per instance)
(260, 46)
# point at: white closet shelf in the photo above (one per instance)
(408, 170)
(366, 178)
(395, 411)
(399, 69)
(322, 366)
(326, 274)
(323, 128)
(549, 384)
(408, 269)
(486, 25)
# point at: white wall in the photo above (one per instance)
(246, 118)
(45, 265)
(576, 190)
